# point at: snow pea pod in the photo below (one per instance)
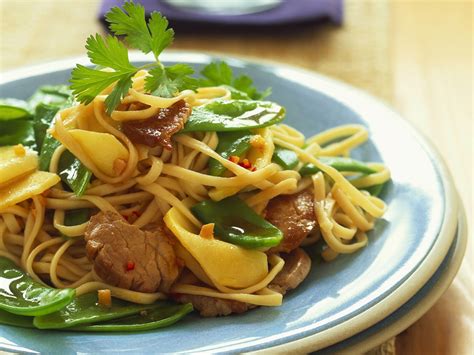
(286, 158)
(13, 109)
(20, 294)
(237, 223)
(51, 95)
(85, 310)
(230, 143)
(17, 131)
(16, 320)
(375, 190)
(42, 119)
(338, 163)
(233, 115)
(159, 317)
(74, 173)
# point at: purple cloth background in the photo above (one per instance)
(288, 12)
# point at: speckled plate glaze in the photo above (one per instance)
(338, 299)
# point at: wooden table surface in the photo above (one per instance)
(416, 55)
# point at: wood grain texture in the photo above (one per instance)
(417, 55)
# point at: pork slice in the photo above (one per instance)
(158, 129)
(297, 266)
(294, 216)
(214, 307)
(127, 257)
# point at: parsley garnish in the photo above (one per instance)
(154, 36)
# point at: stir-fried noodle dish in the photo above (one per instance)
(140, 193)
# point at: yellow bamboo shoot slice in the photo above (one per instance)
(29, 186)
(16, 162)
(226, 264)
(103, 148)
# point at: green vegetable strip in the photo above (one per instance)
(74, 173)
(42, 120)
(340, 164)
(286, 158)
(230, 143)
(13, 109)
(234, 115)
(237, 223)
(17, 131)
(16, 320)
(85, 310)
(375, 190)
(75, 217)
(160, 317)
(19, 294)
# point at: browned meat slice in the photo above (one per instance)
(127, 257)
(213, 307)
(157, 130)
(294, 216)
(297, 266)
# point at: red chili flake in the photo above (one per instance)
(245, 164)
(234, 159)
(253, 168)
(136, 213)
(125, 217)
(130, 265)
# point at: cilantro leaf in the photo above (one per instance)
(108, 53)
(220, 73)
(87, 83)
(130, 22)
(119, 91)
(166, 82)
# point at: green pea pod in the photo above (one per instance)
(85, 310)
(230, 143)
(75, 217)
(375, 190)
(237, 223)
(51, 95)
(233, 115)
(157, 318)
(78, 216)
(286, 158)
(74, 173)
(20, 294)
(17, 132)
(338, 163)
(13, 109)
(46, 152)
(42, 120)
(16, 320)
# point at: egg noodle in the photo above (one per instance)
(156, 182)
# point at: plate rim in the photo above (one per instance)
(339, 91)
(422, 305)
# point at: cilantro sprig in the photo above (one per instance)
(152, 36)
(113, 66)
(220, 73)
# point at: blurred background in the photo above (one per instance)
(414, 55)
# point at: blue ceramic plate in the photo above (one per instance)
(338, 299)
(414, 309)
